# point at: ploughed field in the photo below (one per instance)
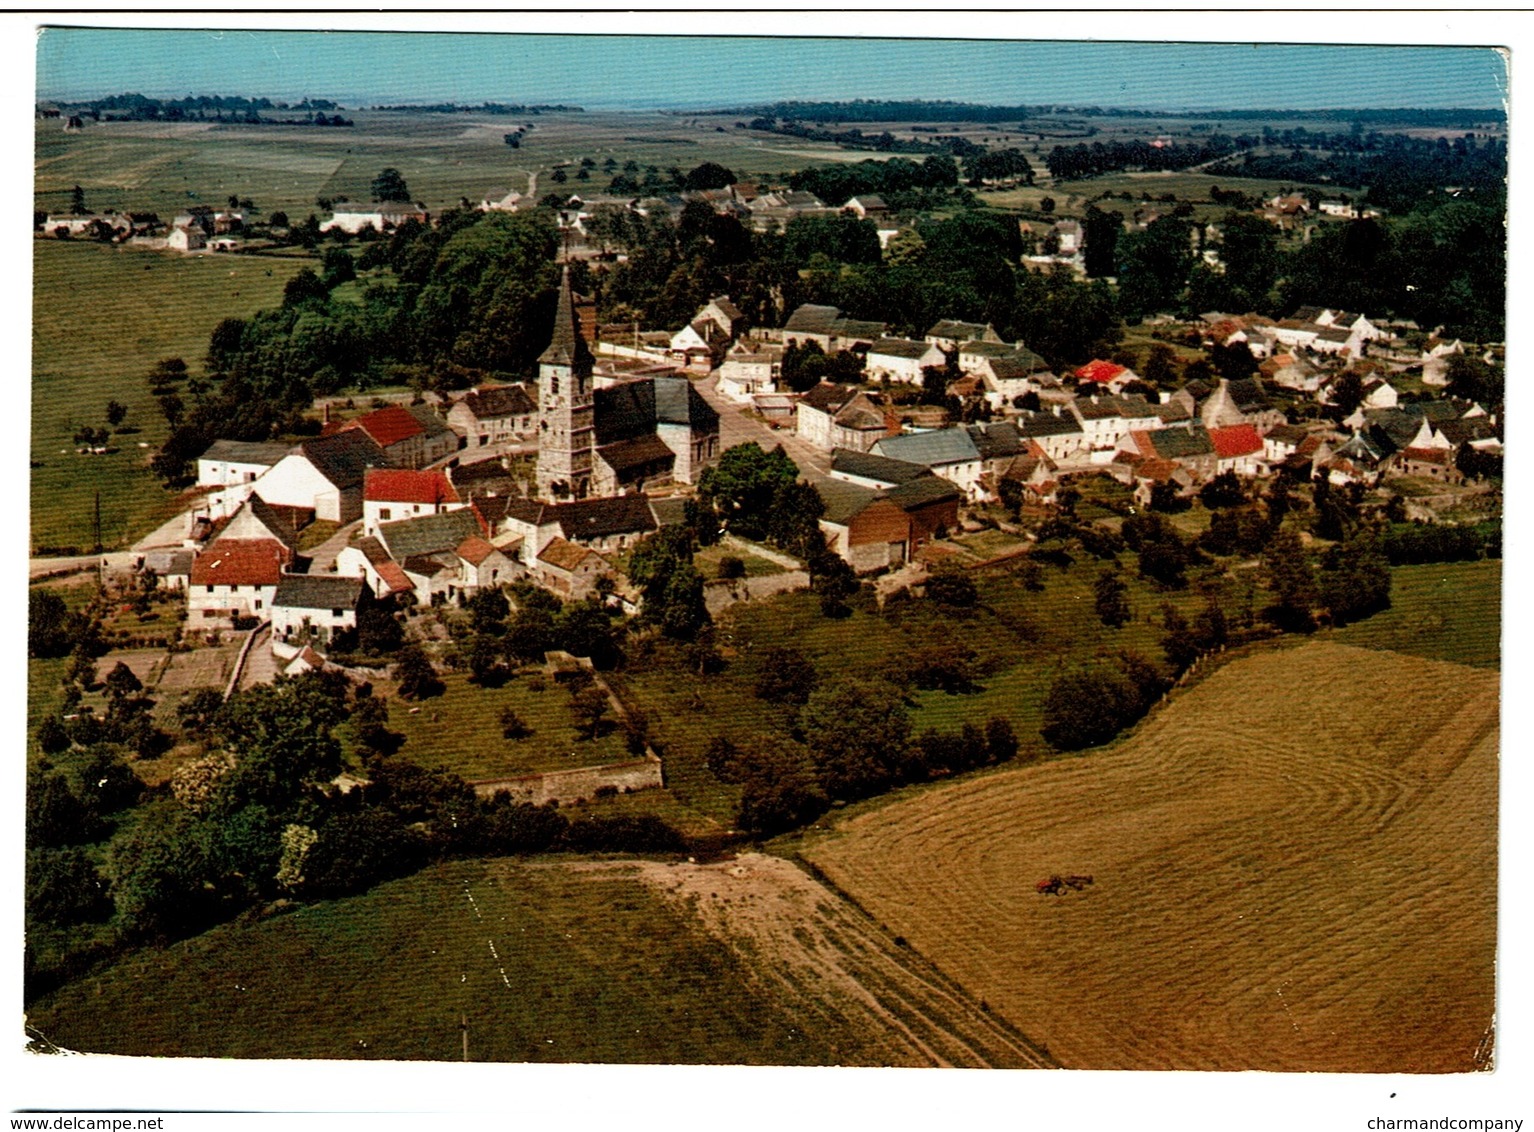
(1294, 868)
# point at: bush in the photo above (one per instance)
(65, 888)
(356, 851)
(638, 833)
(732, 567)
(953, 589)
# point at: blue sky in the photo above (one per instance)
(367, 67)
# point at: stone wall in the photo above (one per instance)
(578, 785)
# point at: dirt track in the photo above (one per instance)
(1295, 868)
(828, 964)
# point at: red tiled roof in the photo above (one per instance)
(1427, 455)
(1237, 440)
(474, 550)
(388, 425)
(1100, 371)
(403, 485)
(241, 562)
(1157, 471)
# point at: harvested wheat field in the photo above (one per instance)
(1294, 868)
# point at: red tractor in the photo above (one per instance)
(1057, 885)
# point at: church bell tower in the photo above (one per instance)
(565, 429)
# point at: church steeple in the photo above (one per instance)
(565, 406)
(568, 346)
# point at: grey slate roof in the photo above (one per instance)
(828, 396)
(428, 534)
(906, 348)
(1048, 424)
(933, 449)
(996, 440)
(246, 451)
(1246, 394)
(843, 500)
(637, 452)
(599, 518)
(953, 328)
(879, 468)
(1181, 443)
(922, 493)
(344, 456)
(500, 401)
(318, 591)
(677, 401)
(811, 318)
(567, 346)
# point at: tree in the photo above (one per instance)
(779, 788)
(720, 756)
(513, 726)
(486, 666)
(856, 731)
(414, 674)
(709, 175)
(304, 287)
(281, 736)
(51, 628)
(1154, 265)
(1224, 490)
(1047, 205)
(1354, 580)
(389, 185)
(117, 412)
(56, 815)
(64, 887)
(589, 707)
(1088, 707)
(786, 676)
(1111, 600)
(742, 487)
(1288, 574)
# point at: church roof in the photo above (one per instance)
(568, 346)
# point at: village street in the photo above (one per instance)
(735, 427)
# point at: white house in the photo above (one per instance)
(841, 416)
(391, 494)
(235, 578)
(316, 606)
(324, 474)
(230, 462)
(901, 359)
(381, 216)
(949, 453)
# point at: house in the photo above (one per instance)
(1240, 401)
(1238, 449)
(746, 372)
(1034, 473)
(498, 200)
(1379, 394)
(948, 452)
(569, 569)
(870, 206)
(1428, 463)
(368, 559)
(381, 216)
(901, 359)
(700, 345)
(235, 578)
(256, 519)
(411, 436)
(444, 556)
(868, 470)
(325, 474)
(876, 530)
(315, 607)
(172, 568)
(1106, 421)
(1104, 375)
(391, 494)
(1282, 442)
(827, 327)
(481, 479)
(1359, 459)
(1153, 473)
(949, 334)
(230, 462)
(494, 414)
(1291, 371)
(1057, 435)
(1191, 448)
(607, 525)
(842, 416)
(186, 239)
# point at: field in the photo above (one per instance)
(1286, 877)
(460, 730)
(614, 962)
(1448, 611)
(101, 318)
(164, 167)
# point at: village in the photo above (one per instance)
(423, 503)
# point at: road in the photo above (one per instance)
(735, 427)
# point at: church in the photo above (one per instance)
(624, 438)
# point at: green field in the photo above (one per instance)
(548, 963)
(1446, 611)
(101, 318)
(164, 167)
(460, 730)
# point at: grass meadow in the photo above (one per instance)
(548, 963)
(101, 318)
(1444, 611)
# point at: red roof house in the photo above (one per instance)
(1237, 448)
(406, 485)
(1100, 372)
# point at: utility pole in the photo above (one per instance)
(96, 549)
(463, 1025)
